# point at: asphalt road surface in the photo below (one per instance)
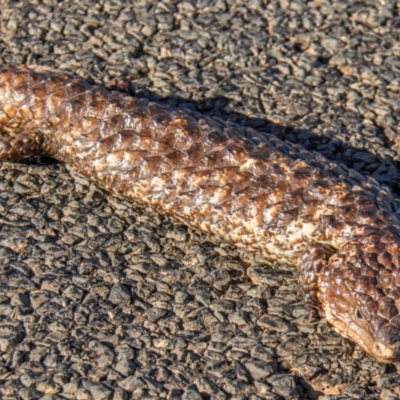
(102, 299)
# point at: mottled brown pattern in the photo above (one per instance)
(250, 189)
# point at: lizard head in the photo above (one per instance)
(359, 290)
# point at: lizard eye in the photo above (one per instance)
(358, 314)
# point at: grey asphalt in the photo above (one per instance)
(102, 299)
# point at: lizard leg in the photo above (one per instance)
(310, 264)
(22, 145)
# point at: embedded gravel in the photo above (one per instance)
(102, 299)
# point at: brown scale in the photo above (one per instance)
(336, 226)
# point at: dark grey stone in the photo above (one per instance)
(120, 295)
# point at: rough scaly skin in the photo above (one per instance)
(250, 189)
